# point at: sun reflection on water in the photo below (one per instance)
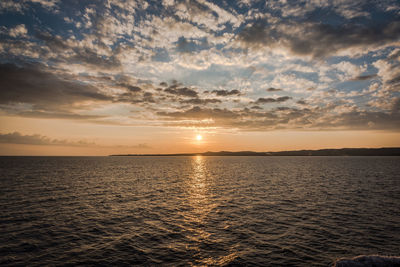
(197, 198)
(198, 182)
(199, 216)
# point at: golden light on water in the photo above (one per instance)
(200, 200)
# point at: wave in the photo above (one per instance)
(369, 261)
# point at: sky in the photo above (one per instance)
(105, 77)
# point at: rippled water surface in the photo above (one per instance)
(266, 211)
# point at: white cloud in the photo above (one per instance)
(46, 3)
(349, 70)
(18, 31)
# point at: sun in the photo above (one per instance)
(199, 137)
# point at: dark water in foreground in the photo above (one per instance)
(268, 211)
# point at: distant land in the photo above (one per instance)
(385, 151)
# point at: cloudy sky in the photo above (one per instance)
(100, 77)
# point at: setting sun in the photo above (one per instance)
(199, 137)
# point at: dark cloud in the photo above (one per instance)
(246, 119)
(131, 88)
(262, 100)
(185, 46)
(361, 120)
(226, 92)
(285, 118)
(318, 39)
(199, 101)
(135, 97)
(396, 105)
(256, 107)
(148, 98)
(394, 80)
(36, 139)
(272, 89)
(55, 114)
(258, 34)
(90, 56)
(283, 108)
(45, 94)
(201, 113)
(34, 84)
(184, 91)
(55, 43)
(364, 77)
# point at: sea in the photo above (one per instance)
(197, 210)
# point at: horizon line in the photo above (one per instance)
(253, 153)
(270, 153)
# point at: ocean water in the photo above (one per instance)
(172, 211)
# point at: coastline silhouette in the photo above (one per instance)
(386, 151)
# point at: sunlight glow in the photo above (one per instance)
(199, 137)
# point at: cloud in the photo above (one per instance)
(185, 46)
(184, 91)
(35, 84)
(108, 62)
(46, 3)
(244, 119)
(226, 92)
(330, 117)
(90, 56)
(41, 140)
(318, 40)
(364, 77)
(295, 82)
(200, 113)
(348, 70)
(22, 5)
(199, 101)
(396, 105)
(54, 42)
(18, 31)
(262, 100)
(206, 15)
(304, 8)
(131, 88)
(360, 120)
(33, 90)
(71, 51)
(272, 89)
(256, 107)
(54, 114)
(133, 97)
(389, 72)
(36, 139)
(10, 5)
(138, 146)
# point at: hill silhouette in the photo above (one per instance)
(385, 151)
